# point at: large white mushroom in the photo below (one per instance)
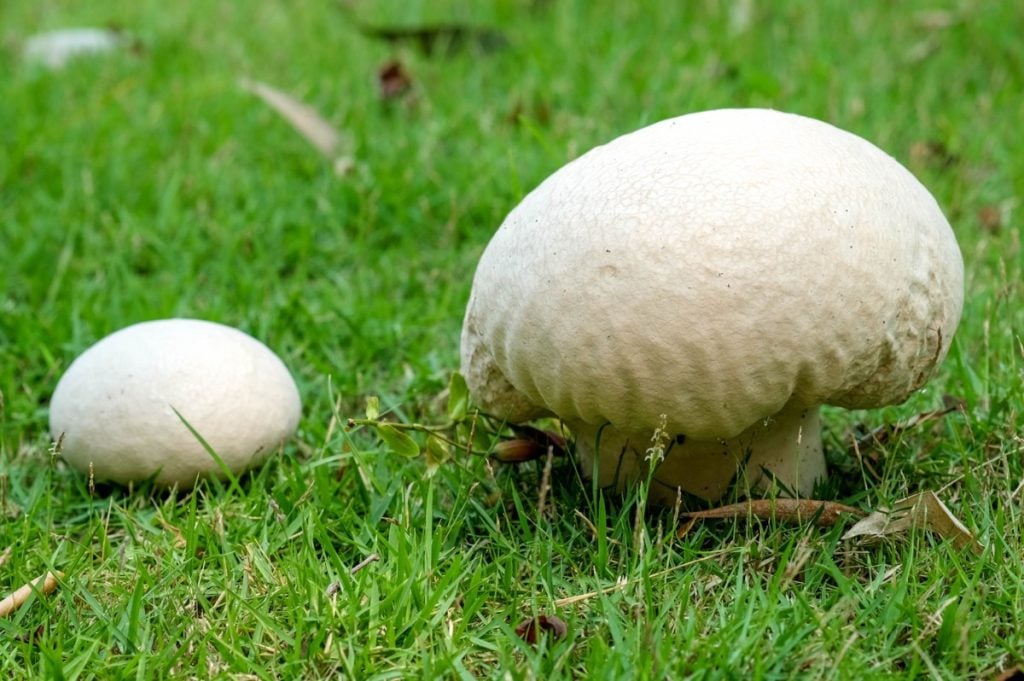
(116, 408)
(726, 272)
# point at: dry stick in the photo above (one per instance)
(44, 585)
(334, 587)
(545, 484)
(824, 513)
(372, 558)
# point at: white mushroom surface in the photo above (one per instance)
(731, 270)
(114, 408)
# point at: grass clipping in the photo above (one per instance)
(306, 121)
(920, 511)
(44, 585)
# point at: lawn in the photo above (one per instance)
(148, 183)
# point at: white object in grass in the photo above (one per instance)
(56, 48)
(731, 270)
(121, 408)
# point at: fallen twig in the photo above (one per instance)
(372, 558)
(823, 513)
(44, 585)
(334, 587)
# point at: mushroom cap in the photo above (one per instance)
(115, 405)
(712, 268)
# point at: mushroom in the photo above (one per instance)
(125, 410)
(716, 278)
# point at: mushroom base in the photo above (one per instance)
(784, 449)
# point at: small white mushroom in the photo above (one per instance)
(731, 270)
(114, 409)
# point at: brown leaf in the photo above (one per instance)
(304, 120)
(932, 153)
(532, 629)
(393, 80)
(990, 218)
(548, 438)
(920, 511)
(440, 38)
(529, 444)
(518, 451)
(823, 513)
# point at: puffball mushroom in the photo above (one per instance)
(114, 409)
(716, 277)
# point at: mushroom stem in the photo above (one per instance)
(785, 447)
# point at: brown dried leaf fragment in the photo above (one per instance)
(532, 629)
(990, 218)
(529, 444)
(518, 451)
(44, 585)
(393, 80)
(932, 153)
(548, 438)
(822, 513)
(920, 511)
(440, 39)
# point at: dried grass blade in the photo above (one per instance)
(302, 117)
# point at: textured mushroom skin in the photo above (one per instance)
(784, 449)
(714, 268)
(114, 407)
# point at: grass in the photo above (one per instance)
(148, 184)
